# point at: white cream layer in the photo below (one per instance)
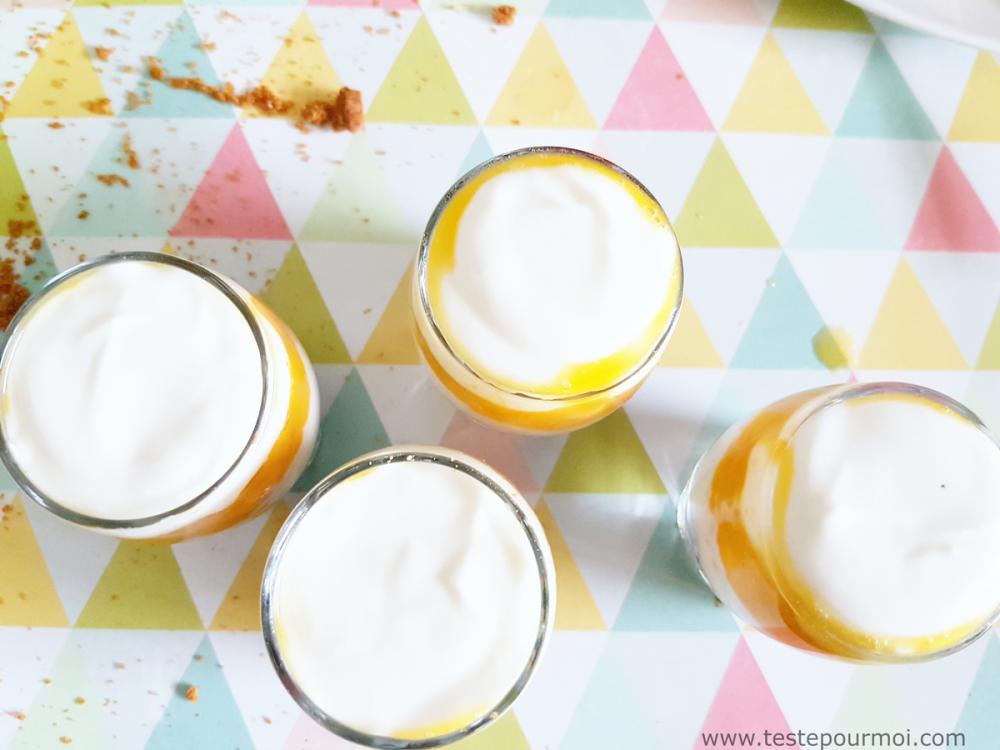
(408, 599)
(131, 390)
(555, 267)
(894, 516)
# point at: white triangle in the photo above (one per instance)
(410, 404)
(428, 156)
(779, 171)
(607, 535)
(134, 39)
(16, 33)
(75, 557)
(356, 281)
(965, 289)
(362, 59)
(481, 54)
(981, 397)
(600, 53)
(936, 71)
(788, 669)
(138, 690)
(297, 166)
(176, 154)
(503, 139)
(541, 453)
(250, 263)
(666, 163)
(828, 64)
(715, 59)
(981, 164)
(546, 707)
(667, 413)
(210, 563)
(68, 251)
(28, 656)
(827, 274)
(267, 709)
(725, 287)
(656, 7)
(331, 379)
(52, 162)
(243, 41)
(953, 383)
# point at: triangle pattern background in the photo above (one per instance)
(832, 180)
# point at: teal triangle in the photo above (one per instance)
(350, 428)
(980, 719)
(667, 592)
(111, 211)
(479, 153)
(181, 56)
(781, 331)
(598, 9)
(842, 190)
(7, 483)
(214, 720)
(882, 105)
(33, 277)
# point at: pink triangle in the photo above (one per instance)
(740, 12)
(951, 215)
(308, 735)
(387, 4)
(657, 95)
(498, 449)
(743, 703)
(233, 199)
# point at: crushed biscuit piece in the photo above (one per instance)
(112, 179)
(83, 215)
(79, 700)
(12, 293)
(103, 53)
(345, 112)
(191, 693)
(132, 159)
(56, 125)
(100, 106)
(207, 46)
(65, 740)
(503, 15)
(156, 71)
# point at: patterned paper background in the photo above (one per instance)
(829, 175)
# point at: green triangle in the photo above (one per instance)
(624, 9)
(294, 296)
(421, 86)
(882, 105)
(606, 457)
(14, 202)
(872, 703)
(213, 721)
(719, 210)
(980, 720)
(667, 592)
(989, 356)
(357, 204)
(828, 15)
(142, 588)
(350, 428)
(55, 717)
(503, 734)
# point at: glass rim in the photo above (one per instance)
(849, 392)
(453, 459)
(423, 254)
(9, 345)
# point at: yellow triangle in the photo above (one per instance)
(421, 86)
(294, 296)
(106, 3)
(541, 92)
(772, 99)
(720, 211)
(301, 70)
(62, 81)
(14, 202)
(168, 249)
(978, 115)
(828, 15)
(989, 357)
(240, 610)
(908, 333)
(605, 457)
(392, 342)
(28, 597)
(142, 588)
(689, 344)
(575, 606)
(503, 734)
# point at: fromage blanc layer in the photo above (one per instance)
(553, 274)
(408, 600)
(893, 517)
(130, 390)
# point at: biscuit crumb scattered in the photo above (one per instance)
(191, 693)
(103, 53)
(12, 293)
(503, 15)
(65, 740)
(83, 215)
(345, 112)
(55, 125)
(110, 180)
(101, 106)
(79, 700)
(131, 158)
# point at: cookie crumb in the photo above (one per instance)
(132, 159)
(345, 112)
(503, 15)
(65, 740)
(191, 693)
(56, 125)
(103, 53)
(100, 106)
(112, 179)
